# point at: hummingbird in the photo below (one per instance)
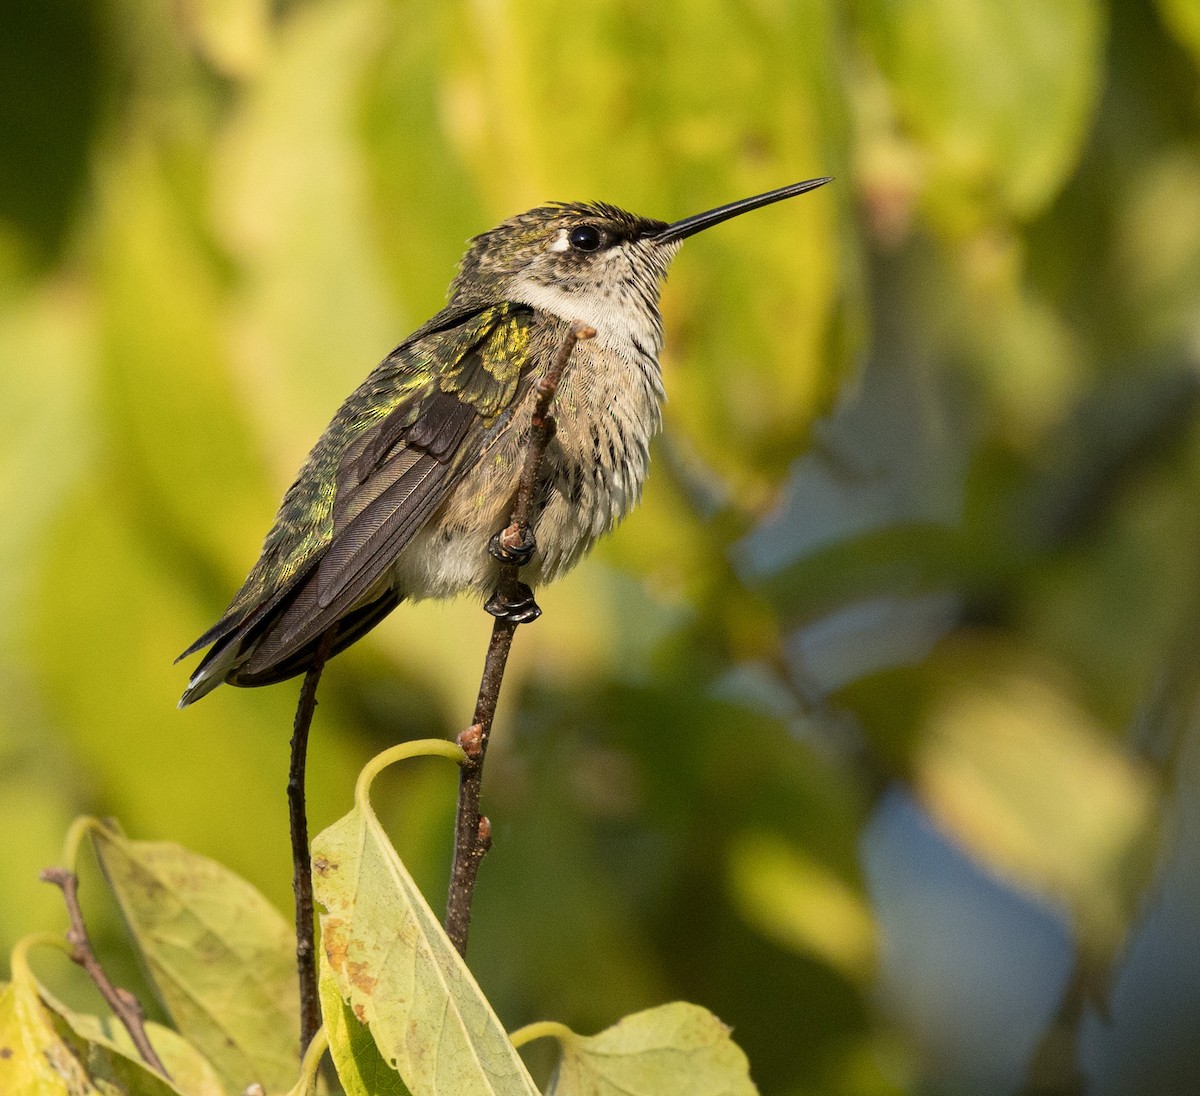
(402, 494)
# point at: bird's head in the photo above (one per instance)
(587, 260)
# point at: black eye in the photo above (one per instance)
(585, 238)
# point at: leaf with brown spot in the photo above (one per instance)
(390, 964)
(360, 1068)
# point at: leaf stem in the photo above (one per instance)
(543, 1029)
(472, 831)
(311, 1063)
(125, 1005)
(19, 957)
(421, 747)
(78, 830)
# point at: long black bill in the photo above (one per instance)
(689, 226)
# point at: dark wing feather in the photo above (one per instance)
(398, 460)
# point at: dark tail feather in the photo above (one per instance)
(225, 627)
(353, 626)
(259, 648)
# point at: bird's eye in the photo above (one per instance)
(585, 238)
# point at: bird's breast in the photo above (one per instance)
(606, 410)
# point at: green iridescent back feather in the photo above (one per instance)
(476, 355)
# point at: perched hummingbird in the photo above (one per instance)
(418, 470)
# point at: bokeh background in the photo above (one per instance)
(876, 729)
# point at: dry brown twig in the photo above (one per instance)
(512, 546)
(126, 1007)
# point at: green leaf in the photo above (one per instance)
(396, 968)
(359, 1066)
(289, 202)
(34, 1060)
(220, 955)
(1182, 17)
(996, 92)
(702, 132)
(673, 1050)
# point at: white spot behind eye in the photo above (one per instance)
(561, 243)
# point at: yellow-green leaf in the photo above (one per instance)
(1008, 756)
(45, 1048)
(801, 904)
(106, 1046)
(396, 968)
(34, 1060)
(1183, 19)
(220, 955)
(673, 1050)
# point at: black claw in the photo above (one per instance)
(518, 607)
(519, 553)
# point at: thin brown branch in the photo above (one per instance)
(470, 845)
(513, 546)
(125, 1005)
(306, 967)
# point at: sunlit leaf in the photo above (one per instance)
(34, 1060)
(108, 1049)
(313, 313)
(221, 957)
(1007, 759)
(359, 1066)
(395, 967)
(673, 1050)
(167, 386)
(49, 332)
(749, 305)
(996, 92)
(1183, 17)
(801, 903)
(47, 1050)
(1158, 236)
(232, 34)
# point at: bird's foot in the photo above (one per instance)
(515, 605)
(513, 545)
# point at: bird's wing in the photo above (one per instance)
(392, 454)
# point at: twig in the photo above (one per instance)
(472, 830)
(513, 546)
(124, 1004)
(306, 967)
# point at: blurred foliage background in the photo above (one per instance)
(876, 729)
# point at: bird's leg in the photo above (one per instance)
(513, 545)
(513, 602)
